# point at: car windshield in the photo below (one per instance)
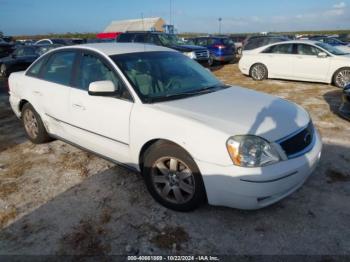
(161, 76)
(169, 40)
(331, 49)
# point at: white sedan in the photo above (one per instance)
(156, 111)
(298, 60)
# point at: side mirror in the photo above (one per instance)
(322, 55)
(102, 88)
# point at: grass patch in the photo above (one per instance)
(170, 236)
(6, 216)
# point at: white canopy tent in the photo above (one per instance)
(145, 24)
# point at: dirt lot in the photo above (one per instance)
(56, 199)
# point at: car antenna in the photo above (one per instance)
(143, 28)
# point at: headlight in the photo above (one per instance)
(191, 55)
(251, 151)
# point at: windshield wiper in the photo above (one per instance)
(205, 90)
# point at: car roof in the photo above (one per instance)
(119, 48)
(216, 37)
(298, 42)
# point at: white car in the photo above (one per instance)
(298, 60)
(156, 111)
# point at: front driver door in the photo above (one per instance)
(308, 66)
(278, 60)
(100, 123)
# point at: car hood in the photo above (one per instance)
(240, 111)
(187, 48)
(6, 59)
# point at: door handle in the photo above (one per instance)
(78, 106)
(37, 93)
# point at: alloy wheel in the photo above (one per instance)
(173, 180)
(31, 124)
(258, 72)
(343, 78)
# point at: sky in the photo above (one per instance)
(27, 17)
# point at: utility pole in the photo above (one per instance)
(220, 19)
(171, 11)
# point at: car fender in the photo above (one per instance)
(203, 143)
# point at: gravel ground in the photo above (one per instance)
(56, 199)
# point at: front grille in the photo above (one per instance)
(299, 143)
(202, 54)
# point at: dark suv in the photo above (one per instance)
(198, 53)
(253, 42)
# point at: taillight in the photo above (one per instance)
(220, 46)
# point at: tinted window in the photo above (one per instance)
(254, 43)
(59, 68)
(140, 38)
(153, 39)
(332, 41)
(125, 38)
(303, 49)
(24, 51)
(280, 49)
(202, 42)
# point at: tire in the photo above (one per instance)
(33, 125)
(211, 61)
(341, 77)
(172, 177)
(258, 72)
(3, 70)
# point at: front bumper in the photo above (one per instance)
(14, 102)
(254, 188)
(224, 58)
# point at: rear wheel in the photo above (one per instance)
(258, 72)
(33, 126)
(172, 177)
(342, 77)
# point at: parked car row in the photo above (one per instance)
(198, 53)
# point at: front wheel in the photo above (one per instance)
(342, 77)
(173, 178)
(258, 72)
(33, 126)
